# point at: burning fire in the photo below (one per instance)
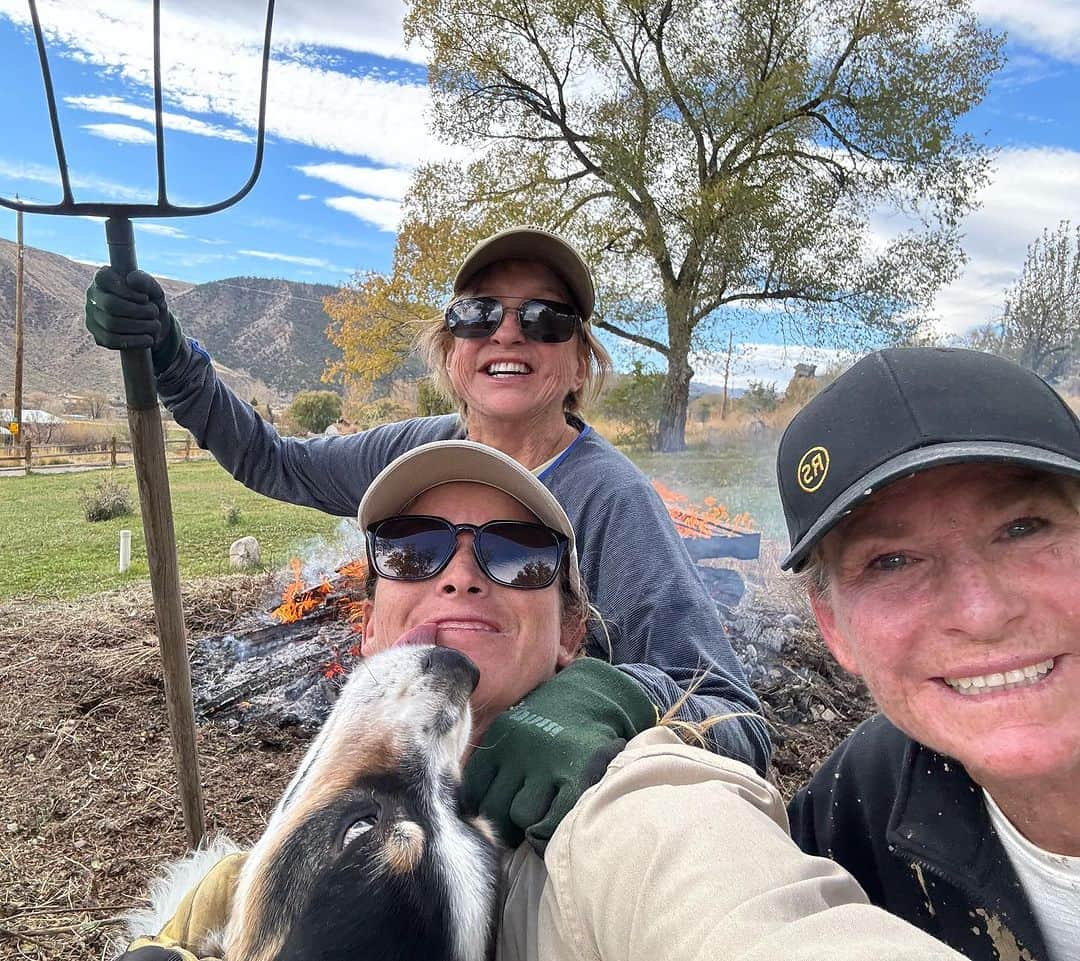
(711, 521)
(343, 596)
(296, 600)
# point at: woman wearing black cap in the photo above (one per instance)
(933, 500)
(515, 351)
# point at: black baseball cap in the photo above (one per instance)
(908, 409)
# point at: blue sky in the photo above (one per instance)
(346, 126)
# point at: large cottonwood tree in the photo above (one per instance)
(712, 154)
(709, 157)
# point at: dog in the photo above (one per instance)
(368, 854)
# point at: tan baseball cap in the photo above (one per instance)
(449, 461)
(532, 243)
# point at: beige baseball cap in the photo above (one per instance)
(449, 461)
(532, 243)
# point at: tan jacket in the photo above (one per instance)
(679, 855)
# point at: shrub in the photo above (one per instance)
(106, 500)
(759, 398)
(315, 410)
(636, 401)
(230, 511)
(380, 411)
(429, 399)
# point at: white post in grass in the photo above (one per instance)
(125, 550)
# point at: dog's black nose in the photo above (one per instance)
(452, 665)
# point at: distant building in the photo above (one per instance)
(30, 417)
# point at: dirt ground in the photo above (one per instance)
(88, 805)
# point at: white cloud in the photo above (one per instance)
(38, 173)
(305, 196)
(1031, 189)
(170, 121)
(364, 26)
(211, 65)
(383, 182)
(120, 132)
(163, 229)
(384, 214)
(1052, 26)
(293, 259)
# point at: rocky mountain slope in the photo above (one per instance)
(267, 337)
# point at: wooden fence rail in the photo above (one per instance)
(113, 452)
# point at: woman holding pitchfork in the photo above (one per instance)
(515, 351)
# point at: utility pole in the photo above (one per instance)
(16, 414)
(727, 370)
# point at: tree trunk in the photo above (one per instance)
(671, 435)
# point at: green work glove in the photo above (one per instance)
(125, 313)
(537, 758)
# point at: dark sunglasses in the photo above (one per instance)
(414, 547)
(546, 321)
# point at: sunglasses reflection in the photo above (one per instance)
(510, 553)
(545, 321)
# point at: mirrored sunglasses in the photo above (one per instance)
(415, 547)
(546, 321)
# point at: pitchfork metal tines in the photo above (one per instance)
(144, 419)
(162, 207)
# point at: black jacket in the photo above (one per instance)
(912, 827)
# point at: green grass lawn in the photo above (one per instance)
(48, 548)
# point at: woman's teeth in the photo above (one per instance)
(503, 368)
(1032, 674)
(465, 625)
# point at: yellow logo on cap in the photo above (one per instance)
(812, 469)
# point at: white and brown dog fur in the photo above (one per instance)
(368, 854)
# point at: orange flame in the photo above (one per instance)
(711, 521)
(295, 600)
(298, 600)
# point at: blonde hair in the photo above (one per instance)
(695, 733)
(814, 576)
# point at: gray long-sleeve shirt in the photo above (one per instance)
(662, 627)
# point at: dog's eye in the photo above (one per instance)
(359, 827)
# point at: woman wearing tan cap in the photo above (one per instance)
(515, 351)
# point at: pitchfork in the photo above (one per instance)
(144, 418)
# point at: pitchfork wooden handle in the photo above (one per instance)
(151, 474)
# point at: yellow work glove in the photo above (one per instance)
(204, 910)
